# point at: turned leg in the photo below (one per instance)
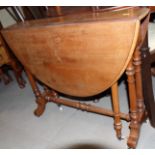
(18, 74)
(41, 101)
(140, 101)
(134, 124)
(116, 108)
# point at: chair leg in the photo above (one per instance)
(41, 101)
(116, 108)
(134, 123)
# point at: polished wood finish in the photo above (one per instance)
(79, 71)
(61, 37)
(83, 56)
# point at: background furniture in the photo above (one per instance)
(6, 58)
(147, 60)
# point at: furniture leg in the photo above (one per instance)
(138, 78)
(41, 101)
(4, 77)
(134, 124)
(116, 108)
(18, 74)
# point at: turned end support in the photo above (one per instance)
(41, 102)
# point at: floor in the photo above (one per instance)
(63, 127)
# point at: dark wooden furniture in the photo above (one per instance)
(84, 56)
(3, 59)
(148, 57)
(6, 58)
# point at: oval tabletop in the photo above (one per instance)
(77, 55)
